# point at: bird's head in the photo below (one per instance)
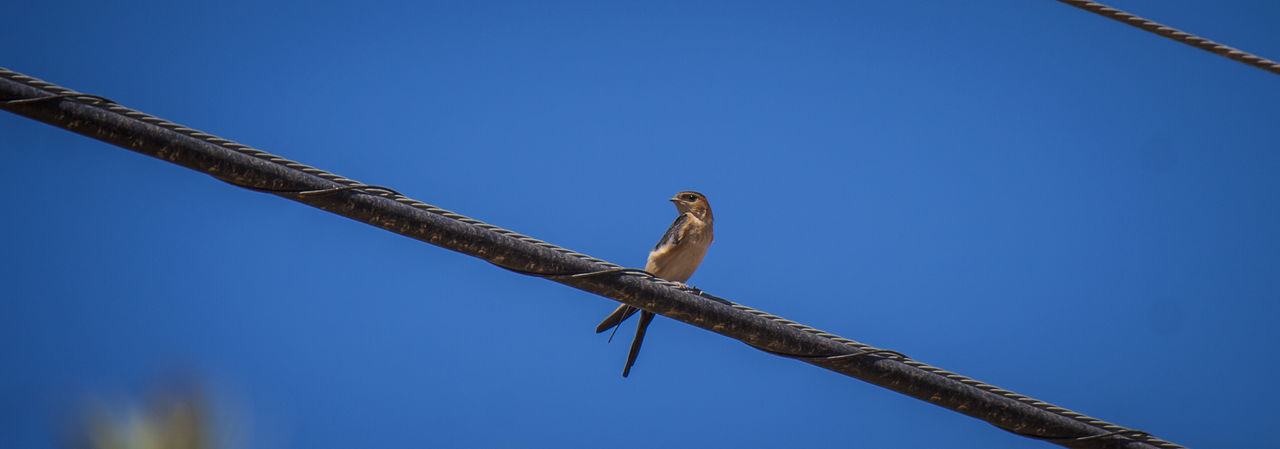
(692, 202)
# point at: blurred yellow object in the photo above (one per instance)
(169, 421)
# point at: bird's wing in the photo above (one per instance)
(675, 233)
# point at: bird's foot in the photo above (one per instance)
(691, 289)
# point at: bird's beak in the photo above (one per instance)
(675, 200)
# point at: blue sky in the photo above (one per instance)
(1021, 192)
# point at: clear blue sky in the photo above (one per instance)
(1018, 191)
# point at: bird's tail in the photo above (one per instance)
(619, 314)
(645, 318)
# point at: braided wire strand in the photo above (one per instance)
(1177, 35)
(247, 150)
(864, 349)
(1112, 429)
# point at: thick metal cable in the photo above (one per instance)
(1189, 39)
(382, 207)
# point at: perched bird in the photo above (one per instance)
(675, 258)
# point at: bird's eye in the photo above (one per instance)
(690, 198)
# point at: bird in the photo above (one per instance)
(675, 258)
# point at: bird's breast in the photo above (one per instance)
(678, 262)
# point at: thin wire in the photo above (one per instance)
(367, 189)
(1186, 38)
(583, 275)
(863, 349)
(92, 99)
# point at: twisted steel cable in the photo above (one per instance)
(1110, 435)
(1186, 38)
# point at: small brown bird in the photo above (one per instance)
(675, 258)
